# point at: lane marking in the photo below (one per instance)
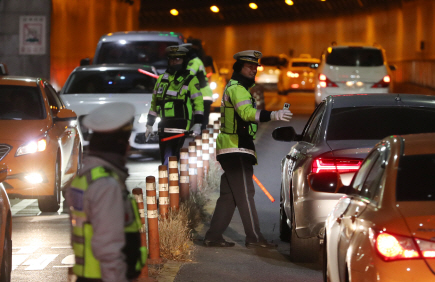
(21, 205)
(49, 217)
(17, 260)
(40, 263)
(27, 250)
(69, 260)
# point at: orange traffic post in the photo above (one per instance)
(193, 171)
(184, 174)
(199, 161)
(138, 196)
(205, 152)
(153, 222)
(174, 189)
(263, 188)
(210, 142)
(163, 191)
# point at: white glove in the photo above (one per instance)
(148, 133)
(196, 129)
(284, 115)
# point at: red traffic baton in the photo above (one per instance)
(176, 136)
(263, 188)
(148, 73)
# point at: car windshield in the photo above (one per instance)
(20, 103)
(355, 57)
(110, 81)
(412, 168)
(301, 64)
(375, 123)
(139, 52)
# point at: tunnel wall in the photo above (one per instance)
(77, 26)
(400, 31)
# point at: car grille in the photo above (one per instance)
(4, 150)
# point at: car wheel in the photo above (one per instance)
(6, 266)
(52, 203)
(284, 229)
(303, 249)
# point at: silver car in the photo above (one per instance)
(337, 137)
(88, 87)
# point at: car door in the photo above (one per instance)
(64, 130)
(299, 156)
(366, 186)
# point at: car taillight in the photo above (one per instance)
(326, 82)
(427, 248)
(395, 247)
(339, 165)
(384, 82)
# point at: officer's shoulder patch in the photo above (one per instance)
(189, 64)
(197, 86)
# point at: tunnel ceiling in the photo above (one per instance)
(155, 13)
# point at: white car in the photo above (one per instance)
(352, 69)
(88, 87)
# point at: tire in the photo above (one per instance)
(52, 203)
(301, 249)
(284, 229)
(6, 266)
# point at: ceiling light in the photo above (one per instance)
(214, 9)
(253, 6)
(289, 2)
(174, 12)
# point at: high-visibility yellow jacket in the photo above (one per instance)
(177, 100)
(86, 265)
(196, 68)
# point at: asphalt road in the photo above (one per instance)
(41, 246)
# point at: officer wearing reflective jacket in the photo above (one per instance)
(105, 221)
(236, 154)
(177, 100)
(196, 68)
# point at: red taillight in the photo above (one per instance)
(326, 82)
(426, 247)
(384, 82)
(339, 165)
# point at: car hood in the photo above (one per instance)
(22, 130)
(420, 218)
(364, 74)
(82, 104)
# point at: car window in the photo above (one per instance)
(310, 132)
(53, 100)
(415, 178)
(360, 176)
(301, 64)
(137, 52)
(21, 103)
(355, 57)
(370, 187)
(374, 123)
(110, 81)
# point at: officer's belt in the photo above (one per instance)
(172, 130)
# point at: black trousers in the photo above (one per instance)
(207, 106)
(236, 190)
(170, 148)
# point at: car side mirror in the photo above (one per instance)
(326, 182)
(85, 62)
(393, 67)
(65, 115)
(286, 134)
(3, 172)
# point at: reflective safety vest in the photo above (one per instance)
(176, 100)
(239, 118)
(196, 68)
(86, 265)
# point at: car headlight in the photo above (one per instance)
(32, 147)
(215, 96)
(143, 118)
(213, 85)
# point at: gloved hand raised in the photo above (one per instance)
(148, 133)
(284, 115)
(196, 129)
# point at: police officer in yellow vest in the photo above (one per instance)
(105, 221)
(236, 154)
(177, 100)
(196, 68)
